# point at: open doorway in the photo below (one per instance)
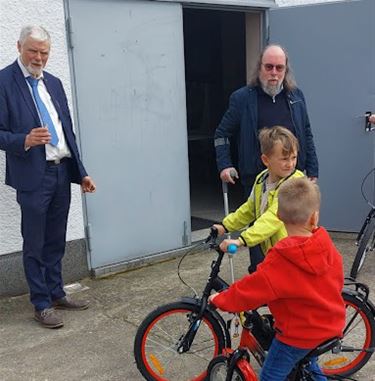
(216, 64)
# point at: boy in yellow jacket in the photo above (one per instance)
(279, 148)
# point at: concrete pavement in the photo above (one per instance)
(97, 344)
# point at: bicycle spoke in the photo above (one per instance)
(358, 335)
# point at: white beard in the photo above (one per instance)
(33, 71)
(272, 90)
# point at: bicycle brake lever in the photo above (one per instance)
(213, 234)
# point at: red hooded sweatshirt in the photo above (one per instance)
(301, 280)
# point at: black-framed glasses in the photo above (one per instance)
(269, 67)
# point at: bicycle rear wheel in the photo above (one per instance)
(159, 335)
(359, 335)
(366, 244)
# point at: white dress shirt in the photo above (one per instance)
(62, 149)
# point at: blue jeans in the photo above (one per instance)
(282, 358)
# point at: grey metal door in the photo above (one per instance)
(332, 50)
(226, 3)
(130, 98)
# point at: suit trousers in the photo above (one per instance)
(44, 213)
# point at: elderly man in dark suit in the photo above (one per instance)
(42, 161)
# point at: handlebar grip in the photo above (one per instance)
(232, 173)
(232, 248)
(213, 234)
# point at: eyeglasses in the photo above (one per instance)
(269, 67)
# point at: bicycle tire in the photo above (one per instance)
(217, 370)
(366, 240)
(359, 333)
(157, 338)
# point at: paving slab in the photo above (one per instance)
(97, 344)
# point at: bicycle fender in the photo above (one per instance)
(197, 302)
(247, 370)
(371, 306)
(359, 296)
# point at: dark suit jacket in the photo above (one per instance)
(18, 115)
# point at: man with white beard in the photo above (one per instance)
(42, 160)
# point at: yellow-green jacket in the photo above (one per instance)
(267, 228)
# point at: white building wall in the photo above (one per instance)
(50, 13)
(14, 14)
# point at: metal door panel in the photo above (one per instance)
(331, 47)
(226, 3)
(130, 99)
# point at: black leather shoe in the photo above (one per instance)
(48, 318)
(67, 303)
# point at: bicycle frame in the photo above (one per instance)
(240, 358)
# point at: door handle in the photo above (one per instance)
(368, 125)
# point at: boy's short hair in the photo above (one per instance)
(268, 137)
(298, 199)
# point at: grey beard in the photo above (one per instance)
(272, 91)
(34, 72)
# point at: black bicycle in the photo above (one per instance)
(366, 236)
(177, 341)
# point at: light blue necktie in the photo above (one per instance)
(43, 112)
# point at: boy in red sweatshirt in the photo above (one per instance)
(301, 281)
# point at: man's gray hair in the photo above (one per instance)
(34, 31)
(289, 82)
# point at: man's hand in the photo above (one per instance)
(371, 119)
(37, 136)
(228, 175)
(88, 185)
(313, 179)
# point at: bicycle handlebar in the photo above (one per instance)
(231, 249)
(212, 236)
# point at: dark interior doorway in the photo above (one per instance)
(215, 66)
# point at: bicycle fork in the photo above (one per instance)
(240, 358)
(187, 339)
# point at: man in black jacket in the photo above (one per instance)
(272, 98)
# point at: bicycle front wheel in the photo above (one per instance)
(159, 336)
(359, 335)
(218, 370)
(366, 244)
